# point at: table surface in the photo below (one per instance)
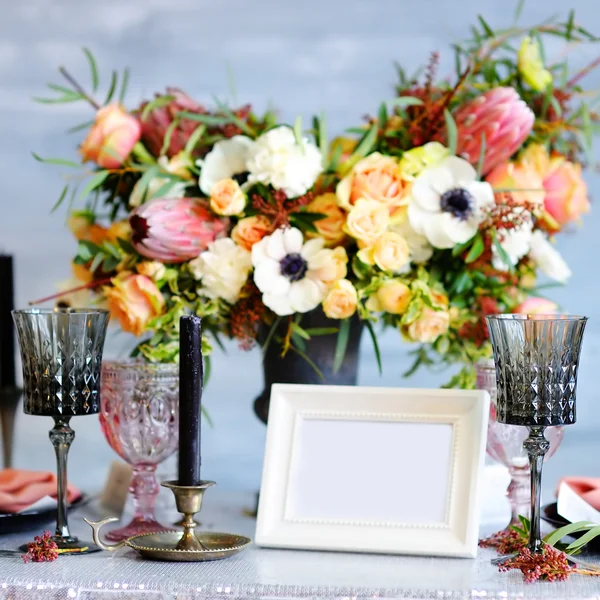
(265, 573)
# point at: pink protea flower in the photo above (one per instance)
(173, 230)
(505, 120)
(156, 123)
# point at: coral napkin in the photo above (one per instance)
(20, 489)
(587, 488)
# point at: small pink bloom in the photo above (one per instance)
(521, 178)
(536, 306)
(111, 138)
(505, 120)
(173, 230)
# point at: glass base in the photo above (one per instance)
(68, 546)
(136, 527)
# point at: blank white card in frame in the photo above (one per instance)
(346, 470)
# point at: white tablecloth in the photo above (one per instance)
(263, 573)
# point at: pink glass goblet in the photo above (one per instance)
(505, 444)
(139, 418)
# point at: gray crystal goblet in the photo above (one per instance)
(61, 352)
(537, 360)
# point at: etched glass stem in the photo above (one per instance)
(61, 436)
(144, 489)
(536, 446)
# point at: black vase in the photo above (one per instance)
(293, 368)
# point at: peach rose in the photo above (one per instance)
(518, 176)
(330, 265)
(251, 230)
(536, 306)
(367, 221)
(390, 252)
(111, 138)
(429, 326)
(392, 297)
(331, 228)
(82, 273)
(133, 301)
(566, 192)
(377, 178)
(341, 300)
(227, 198)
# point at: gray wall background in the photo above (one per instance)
(301, 57)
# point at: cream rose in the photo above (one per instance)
(367, 221)
(390, 252)
(341, 300)
(251, 230)
(330, 265)
(429, 326)
(152, 268)
(227, 198)
(331, 228)
(377, 178)
(392, 297)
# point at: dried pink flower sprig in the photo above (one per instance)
(548, 565)
(42, 549)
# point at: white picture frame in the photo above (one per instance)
(344, 470)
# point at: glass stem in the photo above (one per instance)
(144, 489)
(536, 446)
(518, 494)
(61, 436)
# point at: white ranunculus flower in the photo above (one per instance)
(548, 259)
(223, 270)
(516, 242)
(448, 203)
(419, 249)
(288, 271)
(277, 159)
(226, 159)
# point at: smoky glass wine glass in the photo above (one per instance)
(140, 420)
(61, 352)
(537, 361)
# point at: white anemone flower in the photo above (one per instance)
(548, 259)
(448, 203)
(284, 274)
(227, 159)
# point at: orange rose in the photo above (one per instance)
(82, 273)
(134, 300)
(566, 193)
(331, 227)
(375, 177)
(227, 198)
(251, 230)
(518, 176)
(119, 230)
(84, 229)
(341, 300)
(111, 138)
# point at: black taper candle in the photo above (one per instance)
(190, 399)
(7, 334)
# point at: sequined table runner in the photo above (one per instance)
(263, 573)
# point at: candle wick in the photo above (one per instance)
(87, 286)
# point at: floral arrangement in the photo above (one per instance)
(439, 210)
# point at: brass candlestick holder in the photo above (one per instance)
(189, 546)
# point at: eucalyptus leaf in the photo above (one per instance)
(369, 327)
(56, 161)
(93, 68)
(405, 102)
(61, 198)
(476, 249)
(451, 131)
(114, 78)
(94, 182)
(341, 344)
